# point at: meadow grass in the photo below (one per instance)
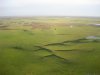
(55, 50)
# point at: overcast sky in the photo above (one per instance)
(50, 8)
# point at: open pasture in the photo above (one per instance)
(49, 46)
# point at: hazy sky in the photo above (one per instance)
(49, 7)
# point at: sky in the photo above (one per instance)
(50, 8)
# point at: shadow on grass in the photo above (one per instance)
(78, 41)
(57, 58)
(17, 47)
(42, 48)
(53, 44)
(77, 50)
(28, 32)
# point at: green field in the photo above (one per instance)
(49, 46)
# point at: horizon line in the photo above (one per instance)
(48, 16)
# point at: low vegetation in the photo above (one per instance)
(49, 46)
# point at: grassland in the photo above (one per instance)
(49, 46)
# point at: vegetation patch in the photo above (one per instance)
(49, 46)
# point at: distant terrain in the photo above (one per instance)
(49, 46)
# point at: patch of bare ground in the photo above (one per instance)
(41, 26)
